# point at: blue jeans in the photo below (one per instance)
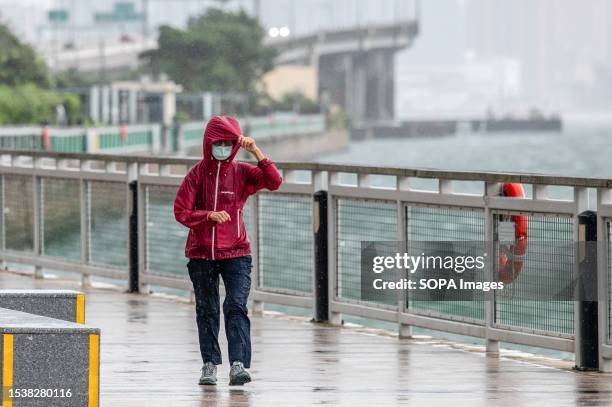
(236, 275)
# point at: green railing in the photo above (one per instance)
(148, 138)
(278, 125)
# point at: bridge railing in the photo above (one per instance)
(42, 194)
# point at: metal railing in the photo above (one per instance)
(41, 194)
(151, 138)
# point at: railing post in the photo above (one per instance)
(604, 200)
(321, 287)
(335, 318)
(177, 138)
(3, 264)
(155, 138)
(165, 138)
(133, 238)
(38, 199)
(445, 186)
(491, 189)
(403, 184)
(540, 192)
(85, 222)
(581, 205)
(253, 202)
(587, 346)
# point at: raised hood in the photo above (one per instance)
(220, 128)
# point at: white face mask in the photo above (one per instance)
(220, 152)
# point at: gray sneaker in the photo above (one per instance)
(209, 374)
(238, 376)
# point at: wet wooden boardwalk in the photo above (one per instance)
(150, 357)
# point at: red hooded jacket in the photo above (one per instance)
(213, 185)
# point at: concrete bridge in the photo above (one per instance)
(355, 66)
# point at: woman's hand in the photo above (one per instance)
(248, 143)
(219, 217)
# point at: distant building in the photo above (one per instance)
(286, 79)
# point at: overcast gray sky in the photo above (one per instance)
(564, 46)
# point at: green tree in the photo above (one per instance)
(298, 103)
(219, 51)
(27, 95)
(19, 63)
(29, 104)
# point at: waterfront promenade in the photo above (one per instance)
(149, 356)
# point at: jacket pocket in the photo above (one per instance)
(225, 235)
(231, 234)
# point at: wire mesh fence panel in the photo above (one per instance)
(2, 222)
(165, 237)
(527, 301)
(61, 221)
(246, 217)
(108, 223)
(444, 224)
(19, 212)
(285, 242)
(357, 221)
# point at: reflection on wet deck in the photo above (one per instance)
(150, 357)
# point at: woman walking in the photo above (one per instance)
(210, 203)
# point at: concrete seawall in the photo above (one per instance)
(296, 147)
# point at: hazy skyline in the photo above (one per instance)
(562, 48)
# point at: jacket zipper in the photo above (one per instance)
(239, 222)
(215, 208)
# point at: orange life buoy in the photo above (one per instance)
(123, 133)
(46, 138)
(511, 259)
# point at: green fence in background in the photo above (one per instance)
(148, 137)
(277, 125)
(76, 143)
(140, 138)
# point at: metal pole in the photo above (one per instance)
(491, 189)
(3, 218)
(258, 306)
(588, 346)
(133, 282)
(85, 224)
(38, 212)
(321, 276)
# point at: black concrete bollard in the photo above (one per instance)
(587, 292)
(321, 294)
